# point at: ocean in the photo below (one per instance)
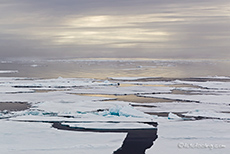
(103, 68)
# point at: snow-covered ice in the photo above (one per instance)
(24, 137)
(192, 137)
(208, 99)
(60, 101)
(127, 78)
(8, 71)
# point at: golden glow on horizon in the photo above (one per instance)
(116, 21)
(111, 31)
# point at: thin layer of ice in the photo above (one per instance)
(166, 83)
(110, 125)
(209, 84)
(88, 118)
(8, 71)
(208, 113)
(4, 89)
(6, 62)
(113, 90)
(128, 78)
(179, 107)
(216, 77)
(52, 83)
(212, 99)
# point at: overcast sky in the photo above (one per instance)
(115, 28)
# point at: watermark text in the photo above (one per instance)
(182, 145)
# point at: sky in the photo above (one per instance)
(181, 29)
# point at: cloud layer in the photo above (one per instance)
(106, 28)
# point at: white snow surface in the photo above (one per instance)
(8, 71)
(30, 131)
(45, 83)
(209, 84)
(209, 113)
(127, 78)
(174, 116)
(122, 90)
(37, 138)
(171, 134)
(217, 77)
(4, 89)
(110, 126)
(209, 99)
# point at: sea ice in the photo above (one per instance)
(8, 71)
(30, 131)
(126, 111)
(173, 134)
(209, 99)
(5, 90)
(111, 126)
(209, 114)
(174, 116)
(29, 137)
(127, 78)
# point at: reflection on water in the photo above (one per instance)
(117, 68)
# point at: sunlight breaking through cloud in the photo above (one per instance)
(109, 30)
(158, 28)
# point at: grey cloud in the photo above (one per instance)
(186, 29)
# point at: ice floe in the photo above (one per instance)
(127, 78)
(6, 62)
(208, 84)
(8, 71)
(24, 137)
(212, 99)
(173, 134)
(121, 90)
(4, 89)
(60, 101)
(174, 116)
(110, 126)
(126, 111)
(179, 107)
(208, 114)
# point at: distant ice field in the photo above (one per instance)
(114, 106)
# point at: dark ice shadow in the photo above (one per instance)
(137, 141)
